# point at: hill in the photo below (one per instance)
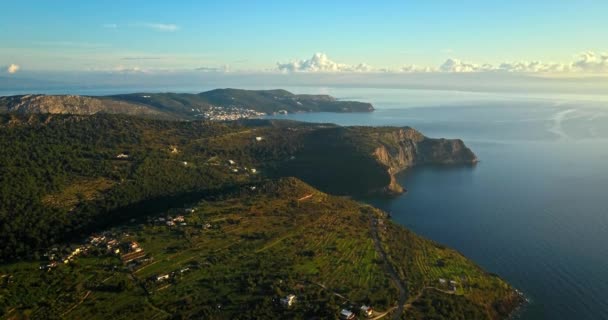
(241, 103)
(200, 219)
(62, 176)
(236, 256)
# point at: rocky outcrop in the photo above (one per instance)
(365, 160)
(402, 148)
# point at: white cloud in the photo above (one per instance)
(412, 68)
(535, 66)
(592, 62)
(319, 62)
(13, 68)
(167, 27)
(110, 26)
(455, 65)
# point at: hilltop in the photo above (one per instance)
(184, 106)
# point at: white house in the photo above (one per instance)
(346, 314)
(162, 277)
(367, 311)
(289, 300)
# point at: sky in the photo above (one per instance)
(548, 38)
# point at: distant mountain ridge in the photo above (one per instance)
(184, 106)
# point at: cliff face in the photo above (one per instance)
(70, 104)
(365, 160)
(402, 148)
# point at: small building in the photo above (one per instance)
(346, 314)
(367, 311)
(185, 163)
(254, 170)
(122, 156)
(453, 285)
(442, 281)
(231, 162)
(179, 219)
(134, 247)
(289, 300)
(162, 277)
(170, 223)
(259, 138)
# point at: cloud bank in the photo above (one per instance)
(586, 63)
(13, 68)
(319, 62)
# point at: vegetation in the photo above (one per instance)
(183, 106)
(252, 238)
(235, 258)
(62, 176)
(267, 101)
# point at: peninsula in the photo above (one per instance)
(218, 104)
(126, 215)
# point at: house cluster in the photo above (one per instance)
(451, 285)
(170, 221)
(236, 169)
(365, 311)
(171, 275)
(54, 257)
(229, 113)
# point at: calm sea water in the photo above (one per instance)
(534, 210)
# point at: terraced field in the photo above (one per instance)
(235, 256)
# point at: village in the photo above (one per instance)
(214, 113)
(116, 242)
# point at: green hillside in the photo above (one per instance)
(236, 256)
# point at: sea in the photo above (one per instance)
(534, 210)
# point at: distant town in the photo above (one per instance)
(229, 113)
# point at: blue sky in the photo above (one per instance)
(256, 35)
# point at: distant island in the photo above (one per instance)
(121, 216)
(218, 104)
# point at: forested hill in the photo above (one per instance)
(202, 219)
(61, 175)
(182, 105)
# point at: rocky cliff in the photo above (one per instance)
(365, 160)
(402, 148)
